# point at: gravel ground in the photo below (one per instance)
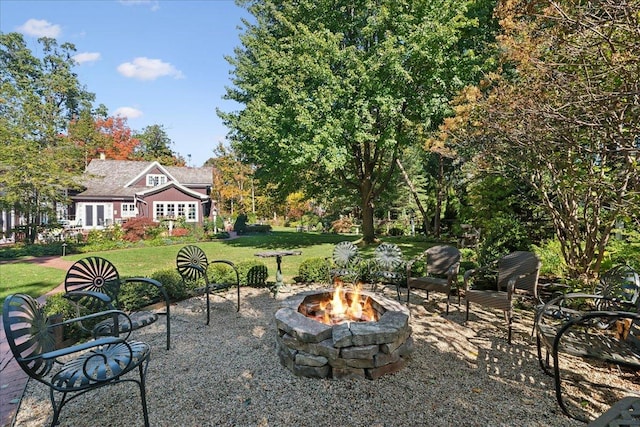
(228, 374)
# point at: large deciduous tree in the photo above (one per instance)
(566, 116)
(39, 95)
(332, 91)
(155, 145)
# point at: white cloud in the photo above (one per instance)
(155, 5)
(128, 112)
(148, 69)
(83, 57)
(40, 28)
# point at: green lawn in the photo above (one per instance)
(37, 280)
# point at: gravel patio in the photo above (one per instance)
(228, 374)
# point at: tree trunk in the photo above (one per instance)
(368, 232)
(439, 197)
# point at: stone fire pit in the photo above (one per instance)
(369, 350)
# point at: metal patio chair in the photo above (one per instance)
(94, 284)
(344, 264)
(72, 371)
(193, 266)
(388, 266)
(441, 266)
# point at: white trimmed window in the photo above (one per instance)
(153, 180)
(187, 210)
(128, 210)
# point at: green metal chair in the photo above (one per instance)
(192, 265)
(72, 371)
(94, 284)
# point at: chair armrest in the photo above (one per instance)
(75, 296)
(153, 282)
(55, 354)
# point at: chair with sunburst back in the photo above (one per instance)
(94, 284)
(193, 266)
(388, 266)
(72, 371)
(344, 264)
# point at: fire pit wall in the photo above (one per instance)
(369, 350)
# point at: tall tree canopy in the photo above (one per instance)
(39, 95)
(155, 145)
(565, 116)
(332, 91)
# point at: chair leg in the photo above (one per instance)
(467, 318)
(208, 303)
(447, 305)
(168, 328)
(143, 394)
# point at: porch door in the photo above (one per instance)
(94, 215)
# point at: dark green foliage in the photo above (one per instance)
(258, 228)
(502, 236)
(257, 276)
(58, 305)
(136, 295)
(240, 226)
(222, 274)
(176, 289)
(253, 273)
(313, 270)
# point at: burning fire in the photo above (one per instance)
(341, 308)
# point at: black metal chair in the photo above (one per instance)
(71, 371)
(441, 266)
(517, 271)
(93, 283)
(344, 264)
(388, 266)
(193, 266)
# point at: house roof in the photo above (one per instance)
(113, 178)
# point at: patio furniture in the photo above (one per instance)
(278, 256)
(344, 264)
(601, 326)
(94, 284)
(625, 412)
(441, 265)
(517, 271)
(193, 267)
(71, 371)
(388, 266)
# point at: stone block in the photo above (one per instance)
(375, 373)
(359, 352)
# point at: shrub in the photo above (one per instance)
(240, 226)
(550, 256)
(222, 273)
(135, 295)
(503, 235)
(313, 270)
(258, 228)
(58, 305)
(175, 287)
(253, 273)
(342, 225)
(180, 232)
(140, 228)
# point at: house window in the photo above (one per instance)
(128, 210)
(153, 180)
(186, 210)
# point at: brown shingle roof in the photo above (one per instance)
(108, 178)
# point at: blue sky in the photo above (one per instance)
(152, 61)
